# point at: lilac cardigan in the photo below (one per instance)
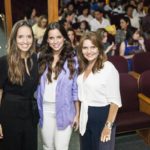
(66, 95)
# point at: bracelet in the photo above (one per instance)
(109, 125)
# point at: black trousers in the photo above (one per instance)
(19, 131)
(91, 139)
(19, 135)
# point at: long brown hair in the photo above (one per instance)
(16, 65)
(100, 33)
(83, 63)
(46, 56)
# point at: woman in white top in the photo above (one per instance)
(98, 91)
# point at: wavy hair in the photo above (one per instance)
(46, 56)
(101, 33)
(83, 63)
(74, 42)
(129, 36)
(16, 65)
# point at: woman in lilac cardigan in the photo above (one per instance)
(57, 92)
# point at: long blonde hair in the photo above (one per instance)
(16, 65)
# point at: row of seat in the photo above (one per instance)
(134, 115)
(141, 63)
(130, 90)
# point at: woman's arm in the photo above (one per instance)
(142, 45)
(114, 98)
(75, 123)
(106, 133)
(110, 47)
(122, 51)
(112, 113)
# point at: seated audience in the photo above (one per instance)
(109, 49)
(99, 21)
(39, 29)
(133, 44)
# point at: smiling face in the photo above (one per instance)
(43, 23)
(90, 51)
(71, 35)
(98, 15)
(24, 38)
(55, 40)
(105, 37)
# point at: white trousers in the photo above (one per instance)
(52, 138)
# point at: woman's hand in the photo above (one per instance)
(75, 123)
(106, 134)
(1, 132)
(141, 40)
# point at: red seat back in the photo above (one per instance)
(141, 62)
(144, 83)
(129, 93)
(120, 63)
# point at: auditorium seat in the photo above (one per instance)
(120, 63)
(141, 62)
(144, 97)
(144, 83)
(129, 117)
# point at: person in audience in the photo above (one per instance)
(99, 21)
(18, 82)
(125, 25)
(110, 6)
(145, 25)
(101, 4)
(139, 11)
(99, 93)
(65, 24)
(39, 29)
(80, 4)
(119, 7)
(133, 19)
(72, 36)
(109, 49)
(133, 44)
(71, 19)
(70, 7)
(133, 3)
(85, 16)
(93, 5)
(83, 28)
(31, 15)
(57, 91)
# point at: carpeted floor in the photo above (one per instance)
(123, 142)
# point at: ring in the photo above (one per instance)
(107, 138)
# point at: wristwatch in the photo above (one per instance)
(109, 124)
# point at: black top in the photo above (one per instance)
(29, 85)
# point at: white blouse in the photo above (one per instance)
(50, 90)
(98, 89)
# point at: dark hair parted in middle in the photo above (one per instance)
(46, 57)
(129, 35)
(83, 63)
